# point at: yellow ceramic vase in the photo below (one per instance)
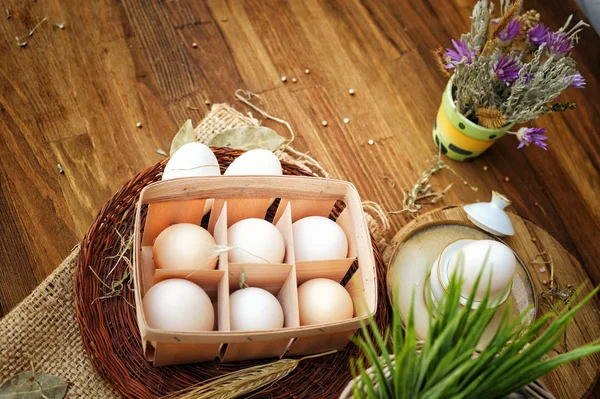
(456, 136)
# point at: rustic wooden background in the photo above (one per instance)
(73, 96)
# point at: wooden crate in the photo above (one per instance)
(237, 198)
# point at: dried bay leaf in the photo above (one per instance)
(249, 138)
(33, 386)
(184, 135)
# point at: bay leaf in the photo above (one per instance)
(184, 135)
(28, 386)
(248, 138)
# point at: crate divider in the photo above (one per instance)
(288, 296)
(220, 235)
(268, 276)
(166, 213)
(238, 209)
(147, 268)
(208, 280)
(302, 208)
(334, 269)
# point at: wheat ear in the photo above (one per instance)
(238, 383)
(506, 18)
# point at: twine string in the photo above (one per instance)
(307, 161)
(246, 96)
(378, 212)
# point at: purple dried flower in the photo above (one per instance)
(538, 35)
(461, 52)
(507, 68)
(532, 135)
(558, 43)
(577, 81)
(512, 29)
(528, 77)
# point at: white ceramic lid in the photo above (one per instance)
(490, 216)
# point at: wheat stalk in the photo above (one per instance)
(438, 56)
(238, 383)
(506, 18)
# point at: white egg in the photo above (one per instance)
(254, 309)
(318, 238)
(321, 300)
(178, 305)
(193, 160)
(255, 162)
(501, 264)
(255, 241)
(185, 246)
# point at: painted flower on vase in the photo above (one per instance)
(461, 52)
(507, 68)
(532, 135)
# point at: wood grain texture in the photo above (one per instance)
(73, 97)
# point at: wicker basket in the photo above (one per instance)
(109, 327)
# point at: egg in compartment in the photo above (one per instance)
(254, 309)
(193, 160)
(255, 241)
(185, 246)
(178, 305)
(318, 238)
(322, 300)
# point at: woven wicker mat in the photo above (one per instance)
(44, 326)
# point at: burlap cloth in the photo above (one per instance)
(43, 327)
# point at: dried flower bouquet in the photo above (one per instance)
(510, 69)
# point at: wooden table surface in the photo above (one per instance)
(73, 96)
